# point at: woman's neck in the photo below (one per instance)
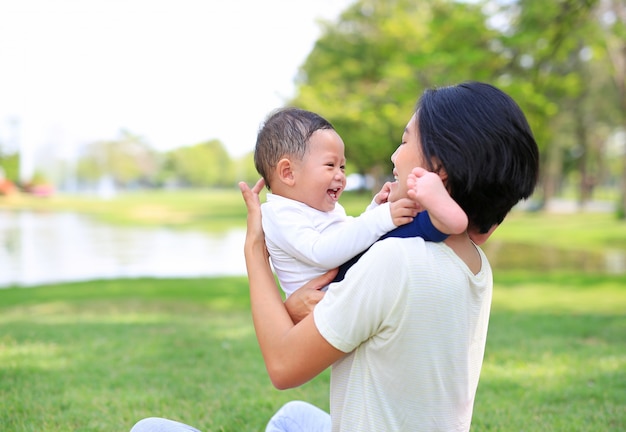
(465, 249)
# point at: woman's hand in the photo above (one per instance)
(302, 301)
(255, 238)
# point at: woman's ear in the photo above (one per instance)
(440, 170)
(479, 238)
(284, 172)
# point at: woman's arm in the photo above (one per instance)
(302, 301)
(293, 354)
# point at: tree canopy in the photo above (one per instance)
(556, 59)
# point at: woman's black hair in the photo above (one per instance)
(481, 137)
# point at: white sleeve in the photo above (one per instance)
(358, 307)
(289, 229)
(372, 205)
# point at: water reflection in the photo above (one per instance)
(37, 248)
(40, 248)
(511, 256)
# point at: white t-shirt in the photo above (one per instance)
(413, 318)
(304, 243)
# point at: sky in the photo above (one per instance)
(175, 72)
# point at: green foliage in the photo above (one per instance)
(201, 165)
(559, 60)
(245, 169)
(10, 164)
(127, 160)
(366, 73)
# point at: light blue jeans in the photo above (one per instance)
(156, 424)
(294, 416)
(298, 416)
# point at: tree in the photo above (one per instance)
(548, 49)
(366, 72)
(127, 160)
(10, 165)
(612, 15)
(559, 48)
(201, 165)
(245, 169)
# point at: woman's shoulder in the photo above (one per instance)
(399, 250)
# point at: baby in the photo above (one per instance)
(301, 159)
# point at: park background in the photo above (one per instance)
(99, 353)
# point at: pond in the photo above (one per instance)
(510, 256)
(40, 248)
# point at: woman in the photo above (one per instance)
(405, 331)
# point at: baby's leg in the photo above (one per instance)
(427, 189)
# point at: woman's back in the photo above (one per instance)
(414, 317)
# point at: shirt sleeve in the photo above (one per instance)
(367, 301)
(290, 229)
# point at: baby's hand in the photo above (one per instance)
(382, 196)
(403, 211)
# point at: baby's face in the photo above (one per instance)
(320, 176)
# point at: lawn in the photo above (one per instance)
(97, 356)
(206, 209)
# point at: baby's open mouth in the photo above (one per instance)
(334, 193)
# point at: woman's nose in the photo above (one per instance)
(393, 156)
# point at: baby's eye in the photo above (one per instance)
(343, 167)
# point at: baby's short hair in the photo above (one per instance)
(285, 133)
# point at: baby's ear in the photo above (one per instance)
(284, 171)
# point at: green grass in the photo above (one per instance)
(210, 209)
(587, 231)
(97, 356)
(556, 355)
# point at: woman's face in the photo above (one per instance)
(407, 156)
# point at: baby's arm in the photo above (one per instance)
(291, 230)
(428, 191)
